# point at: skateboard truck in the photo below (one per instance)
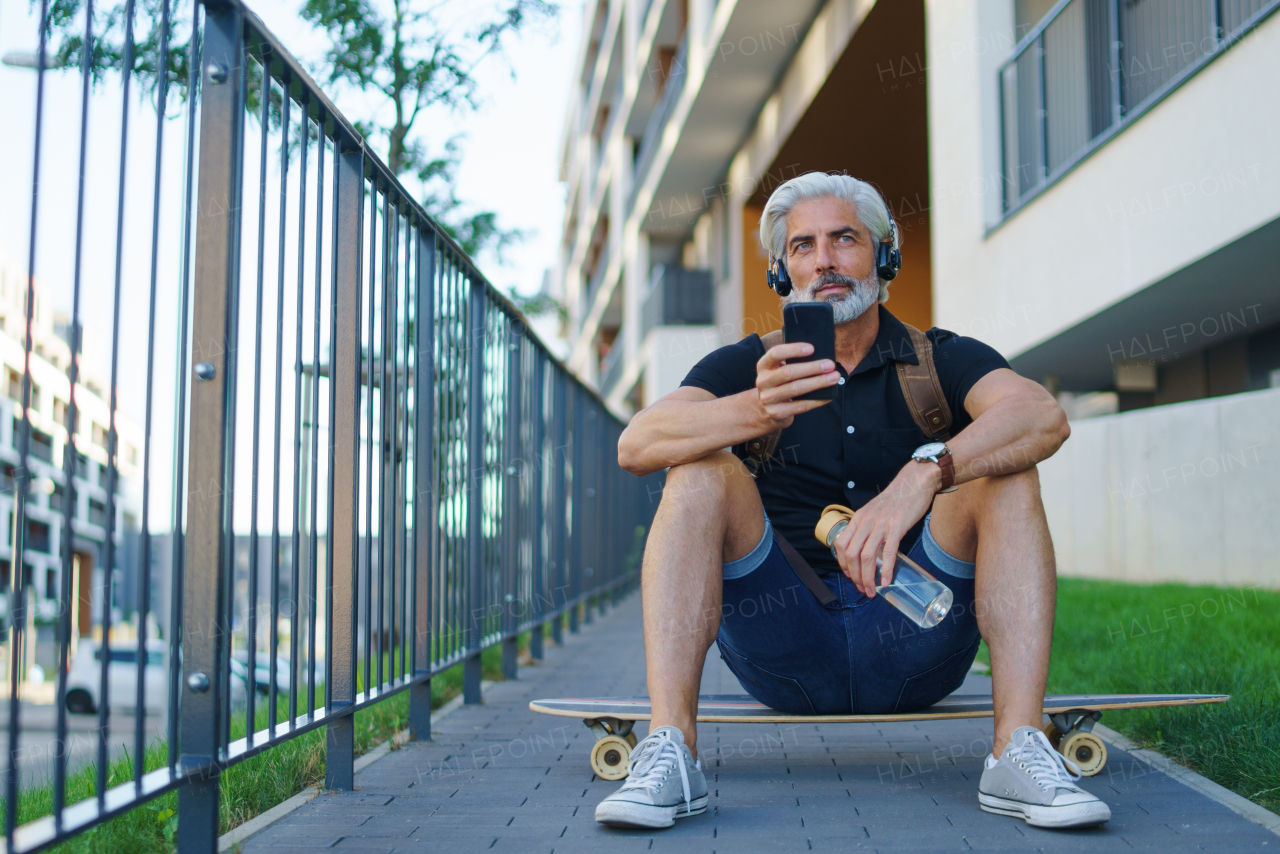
(1071, 732)
(612, 751)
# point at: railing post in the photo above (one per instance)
(538, 495)
(513, 425)
(590, 508)
(578, 518)
(424, 366)
(345, 536)
(208, 520)
(471, 671)
(556, 530)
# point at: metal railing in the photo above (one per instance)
(1091, 67)
(373, 470)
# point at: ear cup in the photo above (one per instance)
(888, 261)
(779, 279)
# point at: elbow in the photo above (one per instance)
(629, 454)
(1058, 429)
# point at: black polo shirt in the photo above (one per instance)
(847, 451)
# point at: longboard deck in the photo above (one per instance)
(729, 708)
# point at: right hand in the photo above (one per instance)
(779, 383)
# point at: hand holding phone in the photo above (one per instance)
(814, 323)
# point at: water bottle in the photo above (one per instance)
(915, 592)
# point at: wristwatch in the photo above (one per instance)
(938, 452)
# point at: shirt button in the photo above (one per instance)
(849, 485)
(849, 429)
(840, 381)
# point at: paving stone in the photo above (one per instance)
(498, 777)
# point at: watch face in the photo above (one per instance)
(929, 451)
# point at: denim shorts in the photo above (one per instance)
(854, 656)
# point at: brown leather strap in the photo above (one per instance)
(922, 390)
(803, 571)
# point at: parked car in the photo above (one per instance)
(262, 671)
(83, 680)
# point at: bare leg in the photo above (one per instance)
(710, 513)
(1001, 522)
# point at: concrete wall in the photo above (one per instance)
(1186, 492)
(1192, 174)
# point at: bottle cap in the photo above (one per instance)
(831, 514)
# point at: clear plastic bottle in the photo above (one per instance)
(915, 592)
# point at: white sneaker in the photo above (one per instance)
(654, 795)
(1033, 781)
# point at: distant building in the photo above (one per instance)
(1091, 187)
(45, 478)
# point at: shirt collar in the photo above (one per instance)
(893, 343)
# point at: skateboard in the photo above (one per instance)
(1069, 728)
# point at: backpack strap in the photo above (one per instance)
(922, 390)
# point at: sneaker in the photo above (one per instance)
(663, 784)
(1035, 782)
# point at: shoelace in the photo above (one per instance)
(1038, 757)
(653, 761)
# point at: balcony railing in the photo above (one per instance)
(417, 476)
(673, 86)
(1093, 66)
(677, 297)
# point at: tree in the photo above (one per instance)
(413, 57)
(410, 53)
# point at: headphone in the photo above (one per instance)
(888, 263)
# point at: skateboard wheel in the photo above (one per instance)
(1052, 733)
(1086, 750)
(631, 739)
(609, 757)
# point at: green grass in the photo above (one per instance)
(1118, 638)
(248, 788)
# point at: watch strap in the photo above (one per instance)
(947, 463)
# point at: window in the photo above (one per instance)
(97, 513)
(61, 412)
(56, 498)
(13, 387)
(41, 445)
(51, 584)
(99, 435)
(37, 537)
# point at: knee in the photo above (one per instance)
(1007, 491)
(710, 477)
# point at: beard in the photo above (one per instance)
(863, 294)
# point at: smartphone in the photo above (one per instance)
(814, 322)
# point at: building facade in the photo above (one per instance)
(1091, 186)
(45, 477)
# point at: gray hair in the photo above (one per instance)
(873, 213)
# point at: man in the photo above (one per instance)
(716, 545)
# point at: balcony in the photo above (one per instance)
(1091, 68)
(677, 297)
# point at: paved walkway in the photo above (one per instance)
(498, 777)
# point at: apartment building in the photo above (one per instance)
(45, 477)
(1091, 186)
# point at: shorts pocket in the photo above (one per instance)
(775, 691)
(923, 690)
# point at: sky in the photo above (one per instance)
(509, 164)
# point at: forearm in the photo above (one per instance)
(1013, 435)
(672, 432)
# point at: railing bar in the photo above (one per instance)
(402, 456)
(144, 574)
(367, 364)
(180, 436)
(251, 642)
(385, 322)
(294, 569)
(70, 451)
(313, 568)
(17, 585)
(272, 688)
(104, 695)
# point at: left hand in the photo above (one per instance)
(878, 528)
